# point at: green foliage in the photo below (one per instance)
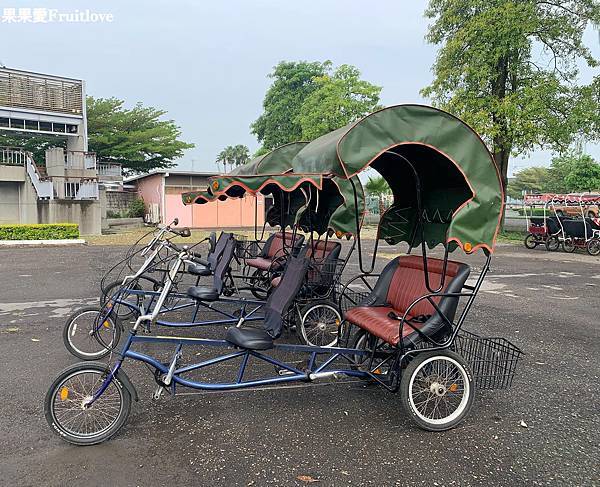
(36, 144)
(571, 173)
(307, 100)
(41, 231)
(292, 83)
(339, 99)
(113, 214)
(233, 155)
(510, 69)
(377, 186)
(137, 208)
(531, 179)
(137, 138)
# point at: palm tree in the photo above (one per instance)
(226, 156)
(379, 187)
(233, 155)
(241, 155)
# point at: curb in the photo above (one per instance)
(48, 243)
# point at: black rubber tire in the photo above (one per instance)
(301, 331)
(593, 247)
(568, 246)
(552, 244)
(530, 241)
(103, 350)
(414, 367)
(58, 429)
(122, 312)
(262, 290)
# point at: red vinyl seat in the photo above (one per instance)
(401, 283)
(273, 249)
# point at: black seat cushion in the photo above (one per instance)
(203, 293)
(199, 270)
(250, 338)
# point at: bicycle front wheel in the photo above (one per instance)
(71, 416)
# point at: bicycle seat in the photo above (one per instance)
(203, 293)
(199, 270)
(250, 338)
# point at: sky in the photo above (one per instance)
(206, 62)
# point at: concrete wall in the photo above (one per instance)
(85, 213)
(12, 173)
(119, 201)
(19, 204)
(9, 202)
(151, 190)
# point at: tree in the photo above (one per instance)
(531, 179)
(379, 187)
(509, 68)
(572, 173)
(292, 83)
(233, 155)
(241, 155)
(137, 138)
(339, 99)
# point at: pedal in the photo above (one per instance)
(158, 393)
(283, 372)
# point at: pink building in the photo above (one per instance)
(161, 191)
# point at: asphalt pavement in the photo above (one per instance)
(545, 430)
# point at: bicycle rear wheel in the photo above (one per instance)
(89, 335)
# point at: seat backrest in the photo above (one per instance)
(214, 256)
(324, 257)
(283, 295)
(224, 263)
(402, 281)
(277, 241)
(577, 228)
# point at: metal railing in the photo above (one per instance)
(110, 169)
(12, 157)
(43, 187)
(80, 160)
(76, 190)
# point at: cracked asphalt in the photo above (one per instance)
(545, 430)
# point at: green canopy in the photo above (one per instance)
(278, 161)
(462, 196)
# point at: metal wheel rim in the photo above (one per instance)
(323, 328)
(425, 396)
(109, 405)
(94, 338)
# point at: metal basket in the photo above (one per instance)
(246, 249)
(493, 361)
(349, 298)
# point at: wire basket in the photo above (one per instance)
(246, 249)
(349, 298)
(493, 361)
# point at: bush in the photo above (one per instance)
(113, 214)
(41, 231)
(137, 209)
